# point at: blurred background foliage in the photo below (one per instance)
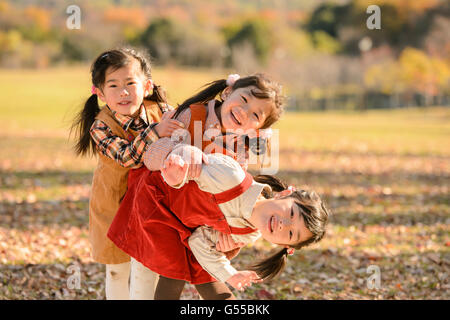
(322, 50)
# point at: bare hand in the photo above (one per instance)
(195, 158)
(243, 279)
(174, 170)
(167, 126)
(226, 243)
(168, 114)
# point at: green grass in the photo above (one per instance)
(45, 101)
(416, 131)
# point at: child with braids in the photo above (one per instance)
(177, 239)
(119, 133)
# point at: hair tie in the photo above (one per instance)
(232, 79)
(292, 188)
(93, 90)
(290, 251)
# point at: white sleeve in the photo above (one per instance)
(157, 151)
(203, 245)
(221, 173)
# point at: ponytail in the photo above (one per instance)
(210, 92)
(315, 215)
(276, 184)
(269, 268)
(158, 96)
(82, 126)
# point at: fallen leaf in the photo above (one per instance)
(434, 257)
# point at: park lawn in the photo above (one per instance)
(410, 131)
(384, 174)
(46, 101)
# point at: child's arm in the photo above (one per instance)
(175, 169)
(203, 245)
(228, 246)
(167, 125)
(129, 153)
(157, 152)
(219, 172)
(243, 279)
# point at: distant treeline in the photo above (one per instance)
(200, 33)
(322, 45)
(364, 101)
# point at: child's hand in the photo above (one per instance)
(226, 243)
(167, 126)
(243, 279)
(174, 170)
(168, 114)
(195, 158)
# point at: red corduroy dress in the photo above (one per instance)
(154, 222)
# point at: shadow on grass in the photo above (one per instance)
(395, 219)
(432, 208)
(76, 213)
(44, 213)
(16, 180)
(404, 155)
(359, 179)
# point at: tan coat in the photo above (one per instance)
(109, 185)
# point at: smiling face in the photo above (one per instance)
(241, 110)
(280, 221)
(124, 89)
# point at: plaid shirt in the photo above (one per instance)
(127, 153)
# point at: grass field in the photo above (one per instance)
(384, 174)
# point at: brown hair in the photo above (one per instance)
(315, 214)
(115, 59)
(267, 89)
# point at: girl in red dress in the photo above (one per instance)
(155, 221)
(176, 236)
